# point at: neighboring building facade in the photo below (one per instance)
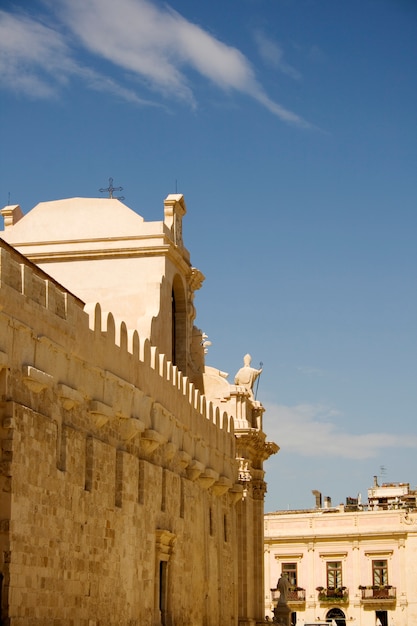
(131, 476)
(352, 564)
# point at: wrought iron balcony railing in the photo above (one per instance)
(295, 594)
(332, 594)
(378, 592)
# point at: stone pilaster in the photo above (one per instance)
(252, 450)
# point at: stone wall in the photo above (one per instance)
(118, 479)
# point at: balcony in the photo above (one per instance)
(296, 597)
(332, 595)
(378, 594)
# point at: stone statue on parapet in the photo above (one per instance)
(247, 375)
(283, 586)
(282, 611)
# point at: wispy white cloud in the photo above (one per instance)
(33, 57)
(318, 431)
(153, 45)
(159, 45)
(272, 54)
(105, 84)
(36, 60)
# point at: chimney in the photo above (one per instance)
(317, 495)
(376, 481)
(11, 214)
(327, 502)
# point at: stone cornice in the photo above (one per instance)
(332, 534)
(63, 253)
(254, 440)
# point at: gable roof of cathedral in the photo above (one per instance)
(77, 219)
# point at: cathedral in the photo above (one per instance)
(131, 476)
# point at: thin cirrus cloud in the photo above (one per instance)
(310, 431)
(36, 60)
(33, 57)
(153, 45)
(272, 54)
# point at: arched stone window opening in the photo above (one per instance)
(179, 325)
(164, 546)
(337, 615)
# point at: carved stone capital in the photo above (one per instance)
(258, 489)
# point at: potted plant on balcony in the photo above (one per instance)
(381, 591)
(294, 593)
(332, 593)
(322, 593)
(339, 592)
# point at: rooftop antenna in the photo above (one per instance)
(110, 189)
(8, 199)
(383, 471)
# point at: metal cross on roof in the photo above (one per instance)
(110, 189)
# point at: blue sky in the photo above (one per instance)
(290, 128)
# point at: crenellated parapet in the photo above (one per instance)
(131, 476)
(21, 276)
(81, 368)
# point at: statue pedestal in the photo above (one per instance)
(282, 613)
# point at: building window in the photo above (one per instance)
(162, 600)
(173, 330)
(225, 529)
(379, 573)
(164, 545)
(290, 571)
(182, 499)
(334, 574)
(164, 490)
